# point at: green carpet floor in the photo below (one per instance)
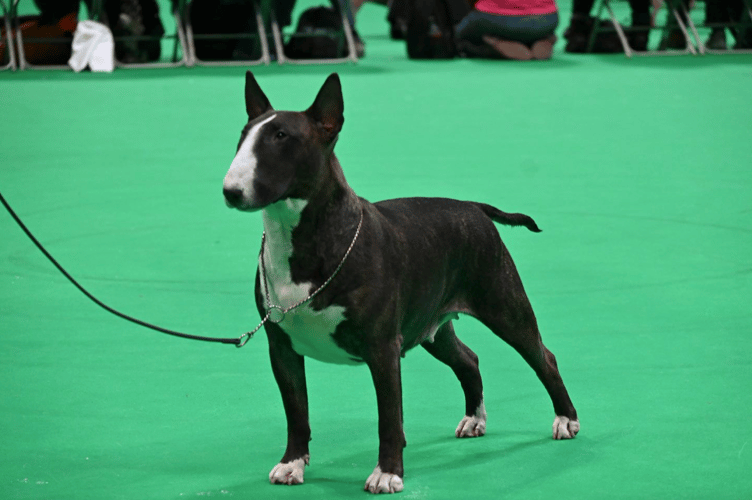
(638, 172)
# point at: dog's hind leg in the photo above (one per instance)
(506, 310)
(450, 350)
(526, 340)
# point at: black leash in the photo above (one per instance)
(239, 341)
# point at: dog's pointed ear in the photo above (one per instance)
(328, 108)
(256, 102)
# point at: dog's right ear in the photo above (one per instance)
(256, 102)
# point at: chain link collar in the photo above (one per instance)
(276, 313)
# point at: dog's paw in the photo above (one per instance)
(288, 473)
(471, 427)
(383, 482)
(564, 428)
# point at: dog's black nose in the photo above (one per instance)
(233, 196)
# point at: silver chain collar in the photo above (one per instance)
(276, 313)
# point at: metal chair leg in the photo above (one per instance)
(11, 64)
(23, 63)
(624, 40)
(683, 25)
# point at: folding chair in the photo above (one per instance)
(673, 21)
(11, 64)
(740, 26)
(260, 35)
(23, 62)
(343, 8)
(179, 39)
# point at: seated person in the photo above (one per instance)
(511, 29)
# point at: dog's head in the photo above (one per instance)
(283, 154)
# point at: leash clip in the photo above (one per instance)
(243, 340)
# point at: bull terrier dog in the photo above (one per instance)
(346, 281)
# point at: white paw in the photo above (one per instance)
(289, 473)
(473, 426)
(564, 428)
(383, 482)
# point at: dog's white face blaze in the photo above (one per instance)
(310, 331)
(242, 170)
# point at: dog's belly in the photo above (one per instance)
(311, 334)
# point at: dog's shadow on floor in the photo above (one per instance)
(448, 453)
(511, 460)
(445, 456)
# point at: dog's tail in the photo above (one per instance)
(508, 219)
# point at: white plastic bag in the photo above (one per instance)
(93, 46)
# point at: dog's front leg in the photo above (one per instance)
(385, 370)
(289, 371)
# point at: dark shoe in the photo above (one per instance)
(578, 33)
(638, 40)
(717, 39)
(578, 36)
(744, 41)
(472, 51)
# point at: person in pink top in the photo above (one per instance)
(513, 29)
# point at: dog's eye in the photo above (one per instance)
(280, 135)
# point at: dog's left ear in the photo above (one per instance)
(327, 110)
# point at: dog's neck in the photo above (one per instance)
(282, 217)
(330, 209)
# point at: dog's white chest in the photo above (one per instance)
(310, 331)
(311, 334)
